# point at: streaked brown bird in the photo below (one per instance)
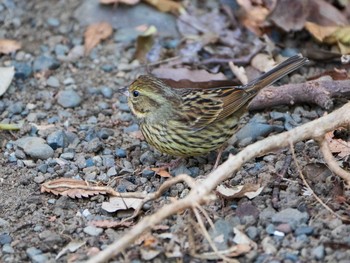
(191, 122)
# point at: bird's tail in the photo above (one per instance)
(278, 72)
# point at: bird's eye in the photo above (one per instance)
(135, 93)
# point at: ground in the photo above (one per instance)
(76, 104)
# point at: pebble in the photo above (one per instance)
(39, 179)
(147, 158)
(318, 252)
(68, 98)
(132, 128)
(7, 249)
(5, 238)
(35, 147)
(57, 139)
(36, 255)
(304, 230)
(20, 154)
(45, 62)
(112, 172)
(221, 233)
(108, 161)
(94, 145)
(61, 50)
(107, 92)
(252, 232)
(107, 68)
(119, 152)
(291, 216)
(89, 162)
(181, 169)
(93, 231)
(68, 155)
(54, 22)
(42, 167)
(194, 171)
(23, 70)
(104, 133)
(52, 82)
(147, 174)
(15, 108)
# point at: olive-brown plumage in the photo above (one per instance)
(191, 122)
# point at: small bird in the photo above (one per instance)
(194, 121)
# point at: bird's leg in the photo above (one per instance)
(218, 157)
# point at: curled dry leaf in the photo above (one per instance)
(166, 6)
(8, 46)
(95, 33)
(145, 42)
(6, 76)
(71, 247)
(338, 145)
(127, 2)
(74, 188)
(247, 190)
(119, 203)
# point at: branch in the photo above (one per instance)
(200, 193)
(318, 92)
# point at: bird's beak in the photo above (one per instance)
(126, 93)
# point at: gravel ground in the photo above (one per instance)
(76, 124)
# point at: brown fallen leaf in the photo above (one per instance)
(166, 6)
(161, 172)
(95, 33)
(127, 2)
(339, 35)
(8, 46)
(117, 203)
(338, 145)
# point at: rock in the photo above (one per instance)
(112, 172)
(68, 98)
(35, 147)
(104, 133)
(119, 152)
(107, 68)
(107, 92)
(132, 128)
(42, 167)
(93, 231)
(221, 233)
(15, 108)
(181, 169)
(45, 62)
(94, 145)
(36, 255)
(23, 70)
(54, 22)
(148, 174)
(61, 50)
(52, 82)
(318, 252)
(5, 238)
(291, 216)
(7, 249)
(252, 232)
(68, 155)
(194, 171)
(304, 230)
(57, 139)
(147, 158)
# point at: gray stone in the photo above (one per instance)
(112, 172)
(68, 98)
(15, 108)
(23, 70)
(291, 216)
(94, 145)
(57, 139)
(5, 238)
(121, 153)
(45, 62)
(107, 92)
(147, 158)
(52, 82)
(93, 231)
(54, 22)
(318, 252)
(68, 155)
(148, 174)
(181, 169)
(252, 232)
(7, 249)
(35, 147)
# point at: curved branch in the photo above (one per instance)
(199, 194)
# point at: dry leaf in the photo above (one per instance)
(119, 203)
(144, 42)
(127, 2)
(111, 224)
(166, 6)
(8, 46)
(74, 188)
(161, 172)
(331, 35)
(337, 145)
(184, 73)
(247, 190)
(263, 62)
(6, 76)
(71, 247)
(95, 33)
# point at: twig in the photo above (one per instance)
(199, 193)
(310, 189)
(319, 92)
(332, 162)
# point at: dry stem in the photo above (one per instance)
(200, 192)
